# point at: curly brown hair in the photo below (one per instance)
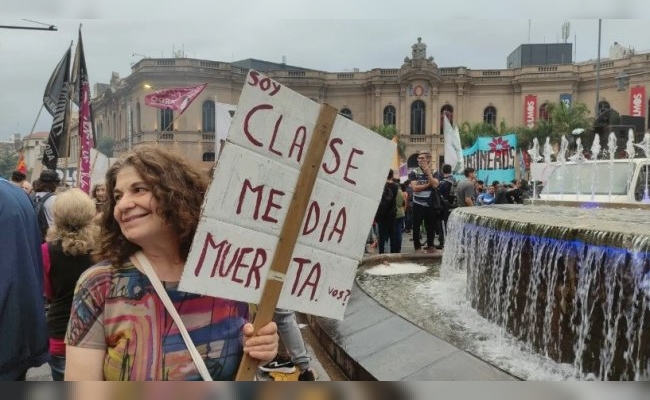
(178, 188)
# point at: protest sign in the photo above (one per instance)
(254, 183)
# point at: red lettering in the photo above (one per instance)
(258, 201)
(247, 121)
(301, 262)
(258, 262)
(275, 134)
(337, 157)
(234, 259)
(313, 207)
(210, 242)
(242, 253)
(312, 279)
(350, 166)
(327, 221)
(225, 247)
(298, 142)
(270, 204)
(341, 219)
(255, 76)
(265, 84)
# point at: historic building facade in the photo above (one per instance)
(412, 97)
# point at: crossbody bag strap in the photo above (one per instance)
(162, 293)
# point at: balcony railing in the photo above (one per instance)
(422, 140)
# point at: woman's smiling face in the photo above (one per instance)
(136, 209)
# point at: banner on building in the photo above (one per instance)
(530, 110)
(493, 158)
(565, 100)
(637, 101)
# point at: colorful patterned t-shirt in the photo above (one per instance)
(118, 310)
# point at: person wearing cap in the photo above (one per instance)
(47, 183)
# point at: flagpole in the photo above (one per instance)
(37, 116)
(217, 140)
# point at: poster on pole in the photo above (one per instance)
(253, 185)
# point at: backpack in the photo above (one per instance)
(448, 193)
(387, 204)
(435, 200)
(40, 213)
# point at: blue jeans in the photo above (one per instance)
(290, 334)
(57, 365)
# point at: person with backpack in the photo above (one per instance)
(386, 215)
(447, 190)
(426, 204)
(44, 197)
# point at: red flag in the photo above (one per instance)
(176, 99)
(82, 93)
(21, 164)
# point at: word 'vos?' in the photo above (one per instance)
(254, 181)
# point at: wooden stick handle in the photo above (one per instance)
(290, 230)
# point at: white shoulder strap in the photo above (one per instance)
(162, 293)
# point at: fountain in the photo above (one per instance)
(534, 158)
(561, 157)
(611, 148)
(572, 284)
(578, 158)
(645, 146)
(595, 151)
(548, 150)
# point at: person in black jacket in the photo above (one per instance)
(386, 214)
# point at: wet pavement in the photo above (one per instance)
(373, 343)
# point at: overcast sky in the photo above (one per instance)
(332, 36)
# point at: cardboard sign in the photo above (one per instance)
(252, 188)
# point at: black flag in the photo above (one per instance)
(58, 104)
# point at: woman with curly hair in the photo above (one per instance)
(66, 255)
(119, 328)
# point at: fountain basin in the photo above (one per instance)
(572, 283)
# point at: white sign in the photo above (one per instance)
(252, 189)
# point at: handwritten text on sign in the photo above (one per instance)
(252, 189)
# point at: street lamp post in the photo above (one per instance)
(600, 22)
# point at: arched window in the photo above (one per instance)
(208, 156)
(603, 106)
(346, 113)
(138, 118)
(390, 116)
(543, 112)
(208, 116)
(418, 118)
(490, 115)
(447, 110)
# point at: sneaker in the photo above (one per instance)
(279, 364)
(308, 375)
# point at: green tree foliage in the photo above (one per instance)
(390, 131)
(105, 145)
(8, 161)
(562, 121)
(470, 132)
